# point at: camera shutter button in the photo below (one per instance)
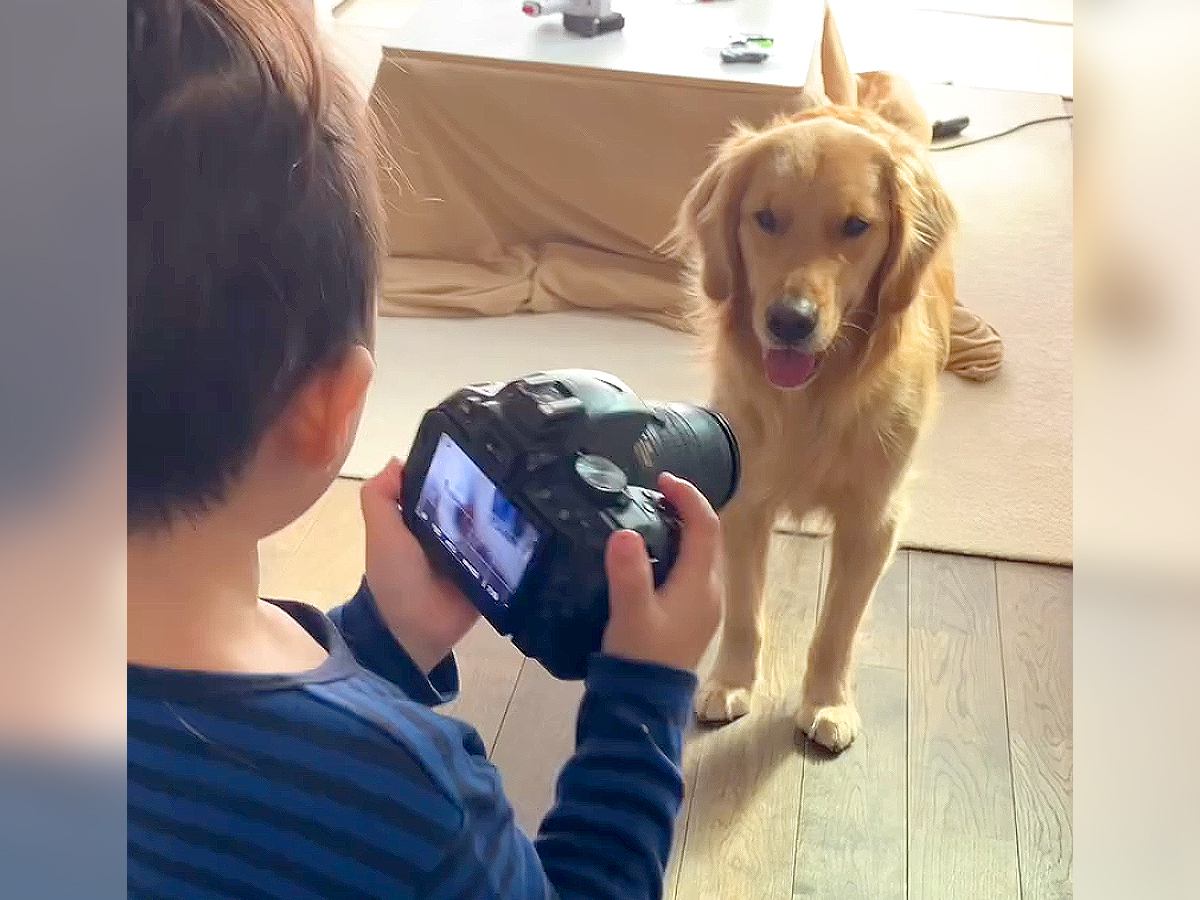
(602, 479)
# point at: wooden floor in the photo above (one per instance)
(959, 788)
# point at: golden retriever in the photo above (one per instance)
(821, 252)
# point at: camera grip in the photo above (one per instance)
(660, 527)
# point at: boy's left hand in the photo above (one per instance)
(425, 612)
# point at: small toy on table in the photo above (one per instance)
(587, 18)
(747, 48)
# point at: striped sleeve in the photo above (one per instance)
(376, 649)
(608, 835)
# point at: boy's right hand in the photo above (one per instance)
(425, 612)
(673, 625)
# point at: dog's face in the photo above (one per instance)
(813, 231)
(816, 228)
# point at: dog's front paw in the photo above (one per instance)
(833, 727)
(717, 702)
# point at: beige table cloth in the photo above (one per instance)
(515, 187)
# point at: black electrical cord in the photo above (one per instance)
(991, 137)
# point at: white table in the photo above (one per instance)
(667, 38)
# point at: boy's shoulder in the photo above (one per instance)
(353, 730)
(322, 761)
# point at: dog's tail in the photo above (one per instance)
(831, 81)
(976, 350)
(829, 77)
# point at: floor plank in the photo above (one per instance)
(746, 802)
(536, 738)
(691, 768)
(488, 667)
(962, 832)
(692, 751)
(1035, 630)
(853, 812)
(852, 841)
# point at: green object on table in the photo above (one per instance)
(758, 40)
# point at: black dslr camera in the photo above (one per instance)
(513, 490)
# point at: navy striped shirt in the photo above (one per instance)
(341, 782)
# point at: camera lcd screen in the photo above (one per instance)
(489, 537)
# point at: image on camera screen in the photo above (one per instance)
(488, 536)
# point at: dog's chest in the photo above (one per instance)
(812, 450)
(815, 456)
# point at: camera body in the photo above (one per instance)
(514, 489)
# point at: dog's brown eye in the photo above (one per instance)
(766, 221)
(854, 226)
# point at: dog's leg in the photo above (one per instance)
(725, 695)
(862, 544)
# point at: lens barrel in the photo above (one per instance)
(692, 443)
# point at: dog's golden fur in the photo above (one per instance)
(842, 443)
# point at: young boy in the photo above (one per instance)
(275, 751)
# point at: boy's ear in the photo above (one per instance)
(321, 420)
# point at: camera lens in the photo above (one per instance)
(692, 443)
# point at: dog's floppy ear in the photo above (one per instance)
(708, 220)
(923, 219)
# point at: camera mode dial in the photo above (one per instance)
(602, 479)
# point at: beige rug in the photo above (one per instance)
(994, 477)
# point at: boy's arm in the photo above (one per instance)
(608, 835)
(609, 831)
(376, 649)
(405, 619)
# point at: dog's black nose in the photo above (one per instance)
(791, 321)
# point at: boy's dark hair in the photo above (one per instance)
(254, 236)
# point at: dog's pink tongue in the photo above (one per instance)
(789, 368)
